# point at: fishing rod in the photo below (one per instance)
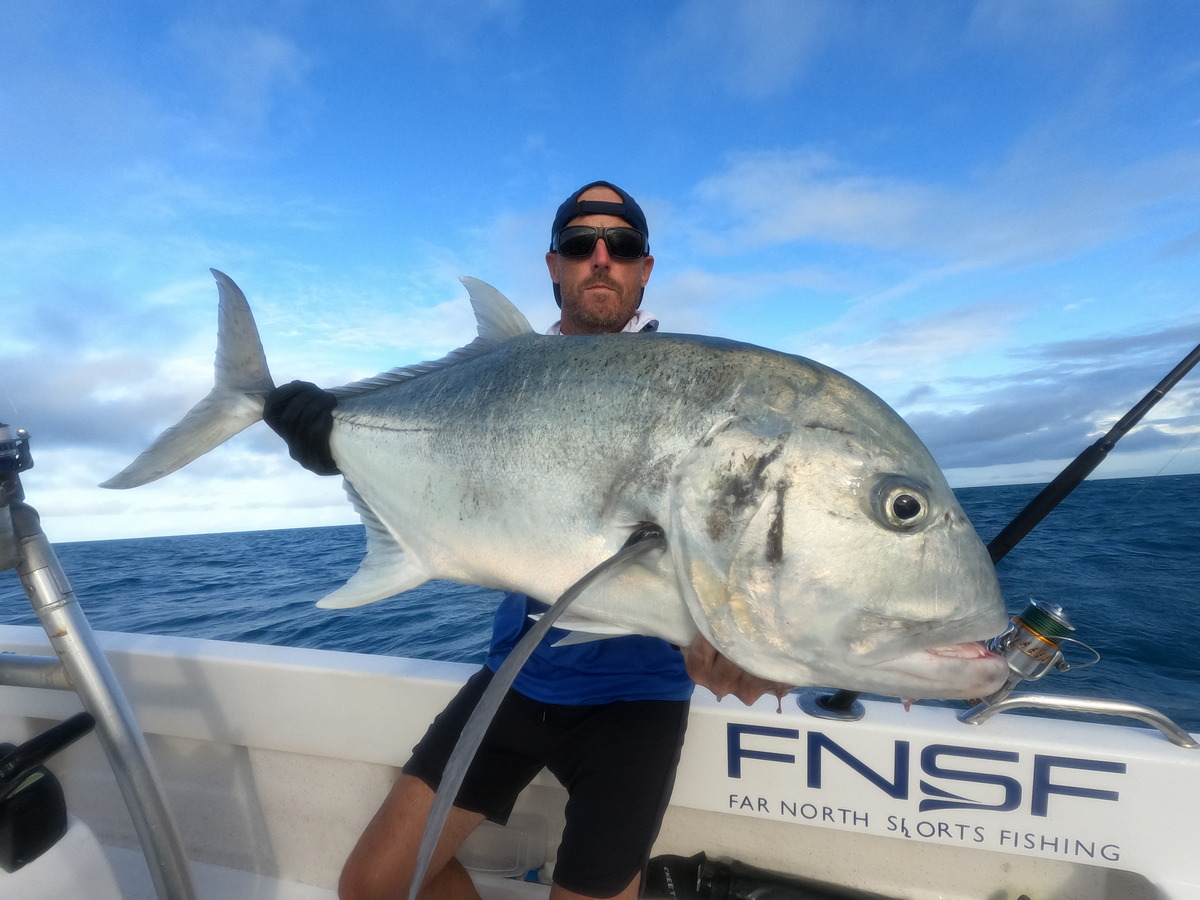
(843, 703)
(1083, 465)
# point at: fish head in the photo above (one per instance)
(821, 545)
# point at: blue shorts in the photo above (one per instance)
(616, 760)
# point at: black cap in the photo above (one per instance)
(627, 209)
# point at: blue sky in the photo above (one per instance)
(988, 213)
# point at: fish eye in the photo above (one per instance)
(906, 506)
(901, 504)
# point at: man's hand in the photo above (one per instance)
(302, 414)
(710, 669)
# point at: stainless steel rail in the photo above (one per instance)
(17, 670)
(981, 712)
(82, 667)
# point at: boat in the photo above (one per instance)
(140, 766)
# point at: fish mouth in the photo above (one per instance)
(967, 650)
(977, 671)
(876, 640)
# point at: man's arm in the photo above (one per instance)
(302, 414)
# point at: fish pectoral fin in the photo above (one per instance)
(583, 637)
(584, 630)
(385, 571)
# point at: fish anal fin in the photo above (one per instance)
(376, 579)
(387, 569)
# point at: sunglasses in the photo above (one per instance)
(578, 242)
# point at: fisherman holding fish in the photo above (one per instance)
(810, 538)
(607, 717)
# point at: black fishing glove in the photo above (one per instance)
(302, 414)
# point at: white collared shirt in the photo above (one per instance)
(642, 321)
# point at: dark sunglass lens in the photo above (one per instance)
(624, 243)
(576, 242)
(579, 241)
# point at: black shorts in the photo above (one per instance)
(616, 760)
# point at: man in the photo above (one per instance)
(606, 717)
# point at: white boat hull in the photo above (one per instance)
(274, 759)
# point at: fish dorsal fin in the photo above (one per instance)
(496, 318)
(385, 571)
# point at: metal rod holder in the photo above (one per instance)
(841, 705)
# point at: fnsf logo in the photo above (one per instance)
(945, 762)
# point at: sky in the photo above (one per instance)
(988, 213)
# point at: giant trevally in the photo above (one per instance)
(812, 539)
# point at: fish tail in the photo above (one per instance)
(236, 401)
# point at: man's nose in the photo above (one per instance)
(600, 255)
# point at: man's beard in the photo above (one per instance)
(606, 318)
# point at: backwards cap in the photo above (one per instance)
(627, 209)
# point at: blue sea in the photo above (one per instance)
(1121, 556)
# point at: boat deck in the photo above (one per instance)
(218, 881)
(80, 867)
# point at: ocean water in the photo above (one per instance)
(1121, 556)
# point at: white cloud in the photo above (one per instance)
(1009, 214)
(807, 195)
(250, 83)
(912, 192)
(234, 488)
(450, 31)
(902, 356)
(1021, 24)
(754, 50)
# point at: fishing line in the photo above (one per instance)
(8, 398)
(1143, 485)
(646, 538)
(1178, 453)
(1084, 464)
(1117, 512)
